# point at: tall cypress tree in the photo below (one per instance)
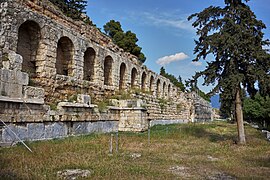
(234, 37)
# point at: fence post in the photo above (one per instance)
(149, 136)
(116, 141)
(111, 144)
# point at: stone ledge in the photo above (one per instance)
(126, 108)
(79, 105)
(21, 100)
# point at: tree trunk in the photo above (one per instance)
(239, 117)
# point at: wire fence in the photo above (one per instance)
(157, 130)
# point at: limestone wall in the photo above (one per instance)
(51, 65)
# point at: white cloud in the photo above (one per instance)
(170, 20)
(196, 63)
(171, 58)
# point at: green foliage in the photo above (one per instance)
(53, 106)
(162, 71)
(121, 95)
(102, 106)
(180, 107)
(113, 27)
(72, 98)
(192, 87)
(162, 103)
(257, 110)
(203, 95)
(72, 8)
(234, 37)
(5, 57)
(126, 40)
(177, 82)
(227, 107)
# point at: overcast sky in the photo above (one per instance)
(161, 26)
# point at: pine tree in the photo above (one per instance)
(71, 8)
(113, 27)
(234, 36)
(125, 40)
(76, 8)
(162, 71)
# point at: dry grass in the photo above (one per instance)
(189, 151)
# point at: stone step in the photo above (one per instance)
(6, 144)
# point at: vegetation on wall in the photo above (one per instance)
(125, 40)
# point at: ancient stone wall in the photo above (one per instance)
(55, 69)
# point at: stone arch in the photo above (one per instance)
(29, 35)
(89, 64)
(163, 89)
(169, 90)
(64, 57)
(134, 74)
(151, 83)
(143, 81)
(158, 88)
(122, 76)
(108, 62)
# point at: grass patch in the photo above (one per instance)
(185, 151)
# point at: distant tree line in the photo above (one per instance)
(125, 40)
(257, 110)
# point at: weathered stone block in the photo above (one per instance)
(22, 78)
(110, 126)
(83, 98)
(55, 130)
(20, 131)
(4, 89)
(15, 61)
(36, 131)
(80, 128)
(10, 90)
(15, 91)
(102, 126)
(131, 103)
(115, 102)
(93, 127)
(30, 92)
(5, 75)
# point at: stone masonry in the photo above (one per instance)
(60, 77)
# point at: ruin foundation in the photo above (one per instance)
(61, 77)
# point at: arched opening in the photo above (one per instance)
(108, 70)
(122, 76)
(163, 89)
(143, 81)
(134, 73)
(158, 87)
(89, 64)
(64, 57)
(151, 83)
(28, 43)
(169, 90)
